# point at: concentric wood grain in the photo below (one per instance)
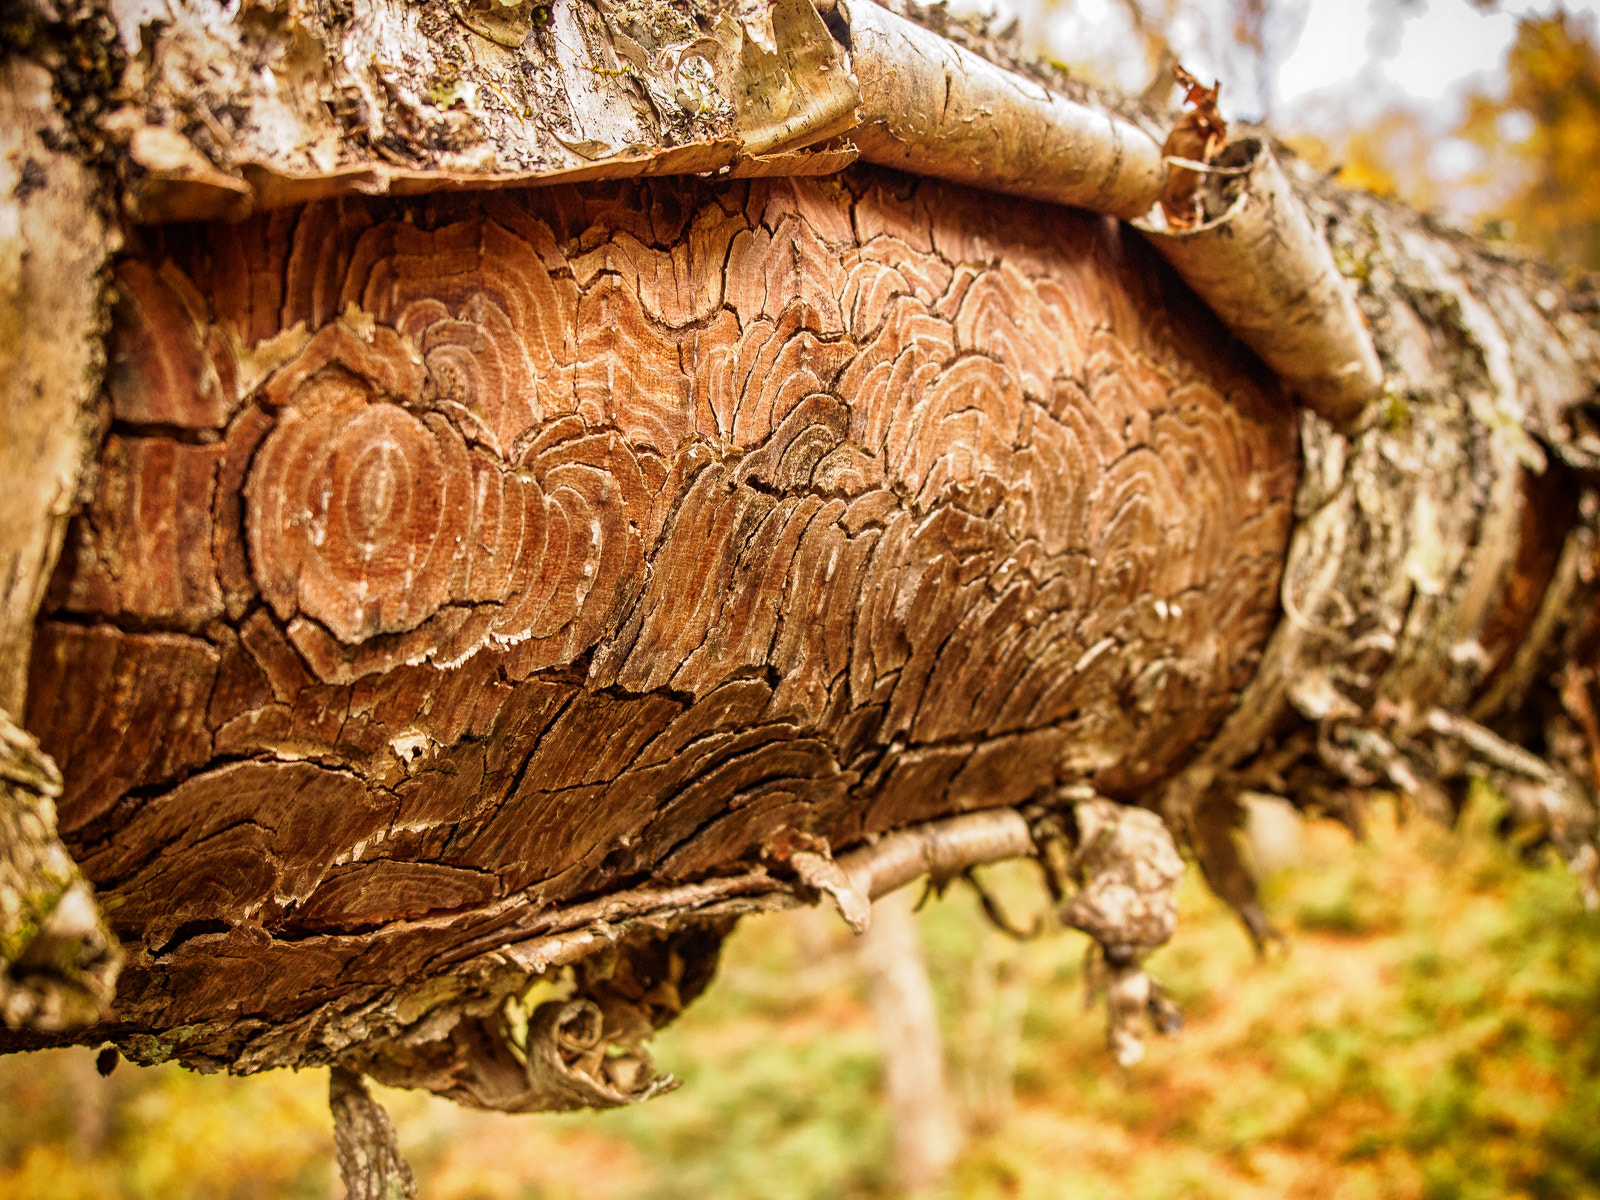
(561, 539)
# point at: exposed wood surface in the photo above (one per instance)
(541, 544)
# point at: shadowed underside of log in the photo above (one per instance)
(456, 557)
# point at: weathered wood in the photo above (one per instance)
(570, 538)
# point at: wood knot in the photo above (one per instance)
(357, 509)
(368, 512)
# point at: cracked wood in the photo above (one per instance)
(454, 554)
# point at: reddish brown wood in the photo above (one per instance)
(550, 542)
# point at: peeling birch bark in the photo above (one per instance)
(225, 116)
(58, 963)
(1265, 268)
(936, 108)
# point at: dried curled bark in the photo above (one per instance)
(1264, 266)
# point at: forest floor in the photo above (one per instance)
(1433, 1033)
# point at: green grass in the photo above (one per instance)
(1434, 1034)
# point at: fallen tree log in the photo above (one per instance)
(480, 583)
(529, 570)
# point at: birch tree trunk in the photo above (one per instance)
(541, 497)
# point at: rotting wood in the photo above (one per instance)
(785, 476)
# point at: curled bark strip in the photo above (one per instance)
(1265, 268)
(511, 1041)
(569, 1066)
(790, 90)
(434, 106)
(370, 1161)
(932, 107)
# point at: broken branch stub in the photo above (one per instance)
(1266, 269)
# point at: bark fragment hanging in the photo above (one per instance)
(1128, 870)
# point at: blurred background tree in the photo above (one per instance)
(1540, 141)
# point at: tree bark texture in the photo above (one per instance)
(57, 960)
(476, 584)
